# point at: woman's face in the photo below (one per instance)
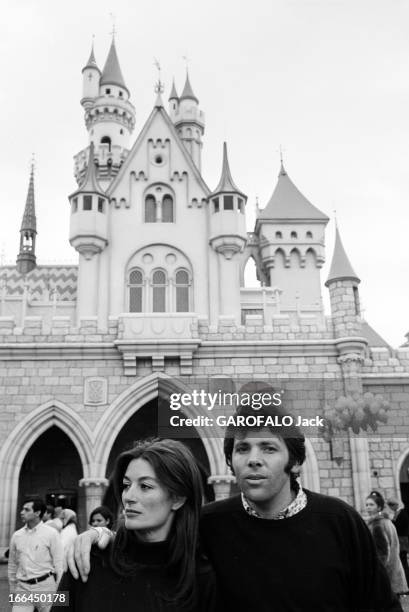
(148, 507)
(371, 506)
(99, 521)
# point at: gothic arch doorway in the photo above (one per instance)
(144, 424)
(403, 475)
(51, 470)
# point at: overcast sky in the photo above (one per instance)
(326, 79)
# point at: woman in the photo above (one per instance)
(386, 541)
(69, 527)
(101, 517)
(153, 561)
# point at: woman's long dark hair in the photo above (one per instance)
(177, 472)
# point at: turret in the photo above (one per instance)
(88, 235)
(173, 102)
(26, 259)
(343, 284)
(189, 122)
(291, 237)
(228, 237)
(91, 75)
(109, 118)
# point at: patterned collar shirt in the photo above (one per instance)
(298, 504)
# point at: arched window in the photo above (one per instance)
(159, 291)
(293, 234)
(279, 235)
(150, 209)
(309, 234)
(106, 140)
(182, 291)
(135, 291)
(167, 209)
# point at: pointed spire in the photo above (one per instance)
(91, 63)
(187, 93)
(90, 182)
(226, 183)
(112, 74)
(282, 169)
(340, 266)
(173, 94)
(26, 258)
(287, 202)
(29, 222)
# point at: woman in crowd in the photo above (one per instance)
(386, 541)
(101, 517)
(153, 559)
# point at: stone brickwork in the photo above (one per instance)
(45, 370)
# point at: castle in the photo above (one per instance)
(159, 296)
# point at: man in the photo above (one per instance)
(276, 547)
(35, 561)
(400, 519)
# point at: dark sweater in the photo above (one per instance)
(320, 560)
(106, 591)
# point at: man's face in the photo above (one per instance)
(258, 463)
(27, 513)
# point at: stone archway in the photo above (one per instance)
(51, 470)
(20, 441)
(402, 477)
(128, 403)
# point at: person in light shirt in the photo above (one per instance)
(36, 557)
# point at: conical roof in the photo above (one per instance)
(226, 183)
(91, 63)
(188, 91)
(374, 339)
(173, 93)
(340, 266)
(287, 202)
(112, 74)
(29, 221)
(90, 182)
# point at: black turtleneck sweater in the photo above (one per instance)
(106, 591)
(319, 560)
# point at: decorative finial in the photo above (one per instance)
(185, 57)
(113, 18)
(257, 206)
(282, 169)
(335, 217)
(32, 163)
(159, 87)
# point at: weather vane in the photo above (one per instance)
(159, 88)
(113, 25)
(281, 150)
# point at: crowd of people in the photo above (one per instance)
(272, 547)
(37, 550)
